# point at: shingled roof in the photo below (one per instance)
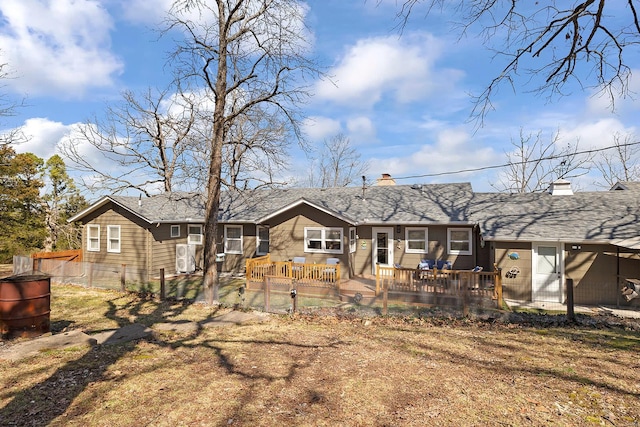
(584, 216)
(601, 216)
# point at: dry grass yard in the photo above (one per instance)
(325, 368)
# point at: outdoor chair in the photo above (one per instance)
(331, 271)
(297, 260)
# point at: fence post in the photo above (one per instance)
(162, 288)
(267, 303)
(123, 275)
(90, 278)
(571, 315)
(377, 279)
(385, 297)
(466, 283)
(499, 299)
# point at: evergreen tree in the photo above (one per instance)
(21, 218)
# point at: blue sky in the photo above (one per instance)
(402, 99)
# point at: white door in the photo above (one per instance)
(382, 247)
(547, 272)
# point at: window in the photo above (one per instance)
(323, 240)
(262, 241)
(352, 239)
(459, 241)
(93, 238)
(113, 238)
(194, 234)
(233, 239)
(416, 240)
(175, 231)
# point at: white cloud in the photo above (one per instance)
(43, 137)
(402, 68)
(59, 47)
(596, 134)
(361, 129)
(451, 151)
(145, 11)
(318, 128)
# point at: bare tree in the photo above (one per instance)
(60, 201)
(247, 53)
(338, 164)
(585, 41)
(535, 163)
(8, 109)
(621, 163)
(144, 140)
(253, 155)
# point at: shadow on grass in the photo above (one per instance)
(50, 398)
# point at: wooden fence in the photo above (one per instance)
(461, 285)
(74, 255)
(310, 275)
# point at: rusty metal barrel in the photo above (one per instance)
(25, 305)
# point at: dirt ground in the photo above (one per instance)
(325, 368)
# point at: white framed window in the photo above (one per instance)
(416, 240)
(352, 239)
(194, 234)
(233, 239)
(175, 231)
(93, 238)
(323, 240)
(459, 241)
(113, 238)
(262, 240)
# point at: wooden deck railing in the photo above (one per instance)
(309, 274)
(458, 283)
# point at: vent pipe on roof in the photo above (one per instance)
(140, 200)
(364, 186)
(561, 187)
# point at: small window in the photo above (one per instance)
(194, 234)
(113, 238)
(416, 240)
(323, 240)
(233, 239)
(175, 231)
(459, 241)
(262, 241)
(93, 238)
(352, 239)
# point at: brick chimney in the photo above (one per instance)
(385, 180)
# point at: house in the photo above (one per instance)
(541, 239)
(538, 239)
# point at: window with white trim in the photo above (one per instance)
(233, 239)
(459, 241)
(352, 239)
(175, 231)
(323, 240)
(194, 234)
(416, 240)
(93, 238)
(113, 238)
(262, 240)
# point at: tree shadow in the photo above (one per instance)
(53, 396)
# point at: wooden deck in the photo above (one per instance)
(433, 287)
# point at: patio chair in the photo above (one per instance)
(424, 267)
(331, 271)
(297, 260)
(443, 265)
